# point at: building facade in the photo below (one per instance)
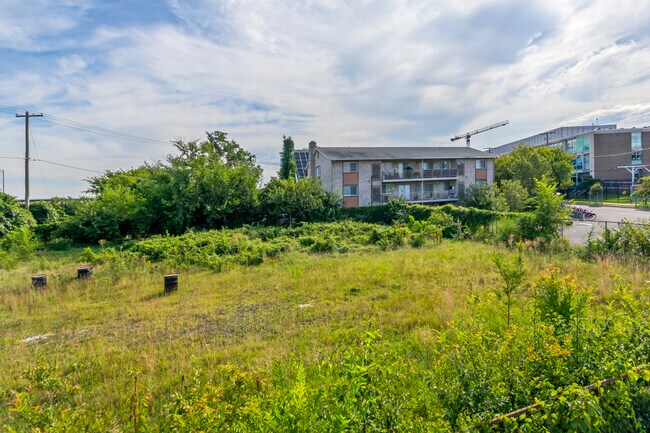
(368, 176)
(598, 152)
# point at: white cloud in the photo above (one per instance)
(401, 72)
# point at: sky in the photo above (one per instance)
(119, 81)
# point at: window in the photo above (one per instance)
(481, 182)
(318, 171)
(481, 164)
(571, 145)
(350, 167)
(636, 140)
(578, 163)
(582, 143)
(587, 161)
(637, 158)
(349, 190)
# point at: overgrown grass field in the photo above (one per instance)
(379, 337)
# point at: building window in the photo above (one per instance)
(637, 158)
(587, 162)
(350, 191)
(578, 163)
(481, 182)
(571, 145)
(481, 164)
(582, 143)
(318, 171)
(350, 167)
(636, 140)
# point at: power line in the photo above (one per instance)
(67, 166)
(84, 127)
(104, 130)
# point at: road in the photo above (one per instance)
(605, 216)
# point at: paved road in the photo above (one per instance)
(605, 215)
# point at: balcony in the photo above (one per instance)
(426, 197)
(436, 173)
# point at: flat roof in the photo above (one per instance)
(383, 153)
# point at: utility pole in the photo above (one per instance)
(27, 115)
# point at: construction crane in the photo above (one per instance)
(467, 135)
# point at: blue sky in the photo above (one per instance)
(385, 72)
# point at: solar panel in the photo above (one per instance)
(302, 161)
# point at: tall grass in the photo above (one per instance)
(379, 337)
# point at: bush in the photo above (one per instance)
(13, 215)
(631, 239)
(16, 245)
(557, 298)
(44, 212)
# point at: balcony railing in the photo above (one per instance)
(426, 196)
(417, 174)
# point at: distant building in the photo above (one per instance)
(598, 152)
(302, 162)
(371, 175)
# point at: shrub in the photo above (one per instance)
(557, 298)
(44, 212)
(13, 215)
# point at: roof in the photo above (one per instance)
(385, 153)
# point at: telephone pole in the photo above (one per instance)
(27, 115)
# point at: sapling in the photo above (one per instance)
(513, 275)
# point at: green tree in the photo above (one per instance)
(548, 214)
(642, 191)
(528, 164)
(13, 214)
(513, 274)
(480, 196)
(288, 168)
(305, 200)
(212, 183)
(514, 195)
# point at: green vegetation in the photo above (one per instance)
(642, 192)
(528, 164)
(386, 318)
(288, 168)
(304, 200)
(380, 337)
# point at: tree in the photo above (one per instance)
(13, 215)
(212, 183)
(305, 200)
(512, 274)
(480, 196)
(642, 191)
(514, 195)
(529, 164)
(548, 214)
(288, 168)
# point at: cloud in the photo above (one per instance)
(390, 72)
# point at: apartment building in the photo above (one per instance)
(598, 152)
(372, 175)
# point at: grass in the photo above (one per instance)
(302, 307)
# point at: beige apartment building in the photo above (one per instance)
(368, 176)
